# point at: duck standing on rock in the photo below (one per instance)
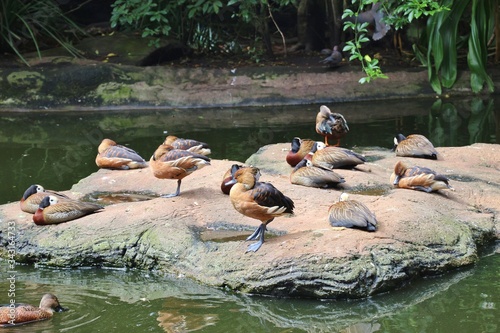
(170, 163)
(114, 156)
(52, 210)
(258, 200)
(331, 125)
(191, 145)
(418, 178)
(26, 313)
(34, 195)
(351, 214)
(414, 145)
(299, 149)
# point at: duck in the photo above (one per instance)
(332, 157)
(228, 176)
(33, 196)
(351, 214)
(170, 163)
(418, 178)
(414, 145)
(299, 149)
(114, 156)
(188, 144)
(53, 211)
(306, 174)
(258, 200)
(334, 59)
(18, 314)
(331, 125)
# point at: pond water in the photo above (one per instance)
(58, 149)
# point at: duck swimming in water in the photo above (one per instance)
(170, 163)
(114, 156)
(414, 145)
(191, 145)
(258, 200)
(351, 214)
(331, 125)
(299, 149)
(34, 195)
(52, 210)
(424, 179)
(19, 314)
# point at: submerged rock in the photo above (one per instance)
(200, 236)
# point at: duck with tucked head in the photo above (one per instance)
(258, 200)
(19, 314)
(331, 125)
(114, 156)
(334, 157)
(53, 210)
(418, 178)
(299, 149)
(414, 145)
(191, 145)
(34, 195)
(170, 163)
(306, 174)
(351, 214)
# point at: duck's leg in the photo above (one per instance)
(326, 140)
(259, 232)
(177, 192)
(337, 144)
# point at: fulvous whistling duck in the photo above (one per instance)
(52, 210)
(25, 313)
(418, 178)
(258, 200)
(191, 145)
(299, 149)
(351, 214)
(170, 163)
(331, 125)
(33, 196)
(414, 145)
(228, 176)
(306, 174)
(334, 157)
(114, 156)
(334, 59)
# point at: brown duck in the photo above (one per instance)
(299, 149)
(306, 174)
(331, 125)
(34, 195)
(414, 145)
(351, 214)
(258, 200)
(191, 145)
(334, 157)
(418, 178)
(25, 313)
(52, 210)
(170, 163)
(114, 156)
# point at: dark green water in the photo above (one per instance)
(57, 150)
(99, 300)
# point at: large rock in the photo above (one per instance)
(199, 235)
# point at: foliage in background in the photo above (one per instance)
(34, 25)
(205, 25)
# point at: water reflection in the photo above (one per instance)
(128, 301)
